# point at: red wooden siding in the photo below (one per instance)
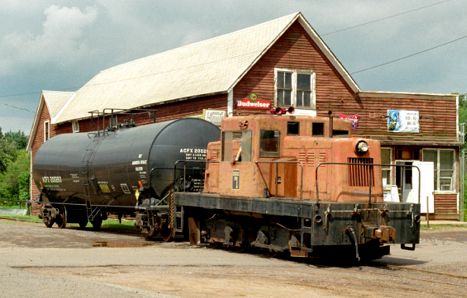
(437, 117)
(164, 112)
(446, 207)
(295, 50)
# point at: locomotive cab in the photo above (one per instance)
(293, 157)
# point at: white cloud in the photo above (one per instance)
(61, 41)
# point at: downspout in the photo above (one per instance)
(230, 103)
(460, 133)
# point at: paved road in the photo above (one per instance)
(40, 262)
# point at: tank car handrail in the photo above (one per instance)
(185, 161)
(371, 175)
(277, 162)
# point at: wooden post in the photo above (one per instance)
(428, 211)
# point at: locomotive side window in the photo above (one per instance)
(293, 128)
(317, 129)
(269, 143)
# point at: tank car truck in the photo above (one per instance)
(300, 185)
(124, 171)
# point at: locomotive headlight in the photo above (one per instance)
(361, 147)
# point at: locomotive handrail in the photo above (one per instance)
(371, 175)
(277, 173)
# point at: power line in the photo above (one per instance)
(385, 18)
(19, 94)
(410, 55)
(18, 108)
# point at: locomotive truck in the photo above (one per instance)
(296, 184)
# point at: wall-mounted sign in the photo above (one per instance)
(214, 116)
(252, 102)
(352, 118)
(403, 121)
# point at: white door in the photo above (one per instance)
(426, 187)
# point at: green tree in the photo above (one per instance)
(14, 166)
(14, 182)
(18, 138)
(8, 153)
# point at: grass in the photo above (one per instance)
(434, 226)
(108, 224)
(25, 218)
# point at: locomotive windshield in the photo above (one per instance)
(236, 145)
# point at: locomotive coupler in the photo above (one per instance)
(383, 233)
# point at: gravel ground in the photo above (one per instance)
(40, 262)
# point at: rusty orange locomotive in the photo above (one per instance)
(297, 184)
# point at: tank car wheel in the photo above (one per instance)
(83, 223)
(48, 221)
(96, 223)
(60, 220)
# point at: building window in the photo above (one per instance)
(75, 126)
(443, 161)
(46, 130)
(295, 88)
(386, 160)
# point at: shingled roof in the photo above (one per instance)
(208, 67)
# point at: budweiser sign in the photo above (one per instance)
(252, 102)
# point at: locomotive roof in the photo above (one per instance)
(208, 67)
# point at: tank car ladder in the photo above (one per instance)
(91, 211)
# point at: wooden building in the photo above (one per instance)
(284, 61)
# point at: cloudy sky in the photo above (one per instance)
(60, 45)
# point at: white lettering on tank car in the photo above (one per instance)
(194, 153)
(138, 169)
(139, 162)
(52, 179)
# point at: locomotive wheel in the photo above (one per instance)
(167, 233)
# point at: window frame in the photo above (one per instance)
(438, 170)
(46, 130)
(293, 96)
(388, 168)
